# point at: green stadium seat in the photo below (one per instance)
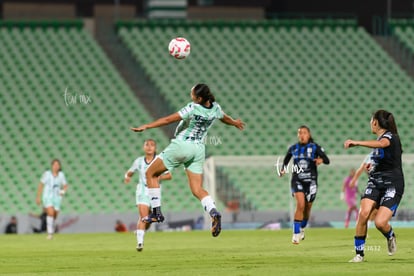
(40, 63)
(278, 75)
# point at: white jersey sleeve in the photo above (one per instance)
(44, 177)
(135, 166)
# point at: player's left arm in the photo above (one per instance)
(357, 174)
(65, 186)
(321, 156)
(382, 143)
(230, 121)
(175, 117)
(64, 189)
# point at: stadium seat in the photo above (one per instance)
(92, 140)
(276, 75)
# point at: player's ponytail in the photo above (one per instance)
(386, 120)
(203, 91)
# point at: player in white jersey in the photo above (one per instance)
(187, 149)
(142, 201)
(52, 187)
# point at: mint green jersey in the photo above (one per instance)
(196, 120)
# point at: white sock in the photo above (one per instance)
(208, 204)
(140, 236)
(155, 197)
(49, 224)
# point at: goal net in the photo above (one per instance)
(251, 183)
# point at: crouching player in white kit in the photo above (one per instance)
(52, 187)
(143, 201)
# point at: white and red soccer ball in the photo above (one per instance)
(179, 48)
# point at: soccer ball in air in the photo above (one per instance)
(179, 48)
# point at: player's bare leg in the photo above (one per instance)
(306, 216)
(382, 222)
(367, 205)
(298, 217)
(195, 181)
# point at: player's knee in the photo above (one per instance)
(381, 223)
(300, 207)
(363, 216)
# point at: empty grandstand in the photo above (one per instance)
(63, 97)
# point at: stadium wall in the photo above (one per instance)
(30, 9)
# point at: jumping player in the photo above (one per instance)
(142, 200)
(52, 187)
(385, 185)
(187, 149)
(307, 155)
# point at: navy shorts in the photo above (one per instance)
(384, 192)
(308, 187)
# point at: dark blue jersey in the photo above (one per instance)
(304, 166)
(387, 160)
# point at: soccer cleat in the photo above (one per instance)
(302, 234)
(153, 218)
(392, 245)
(216, 222)
(49, 237)
(357, 259)
(140, 247)
(295, 238)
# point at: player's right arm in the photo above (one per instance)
(39, 193)
(130, 172)
(128, 176)
(175, 117)
(285, 162)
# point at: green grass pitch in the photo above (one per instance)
(254, 252)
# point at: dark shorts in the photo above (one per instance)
(308, 187)
(385, 193)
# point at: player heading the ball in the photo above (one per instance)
(187, 149)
